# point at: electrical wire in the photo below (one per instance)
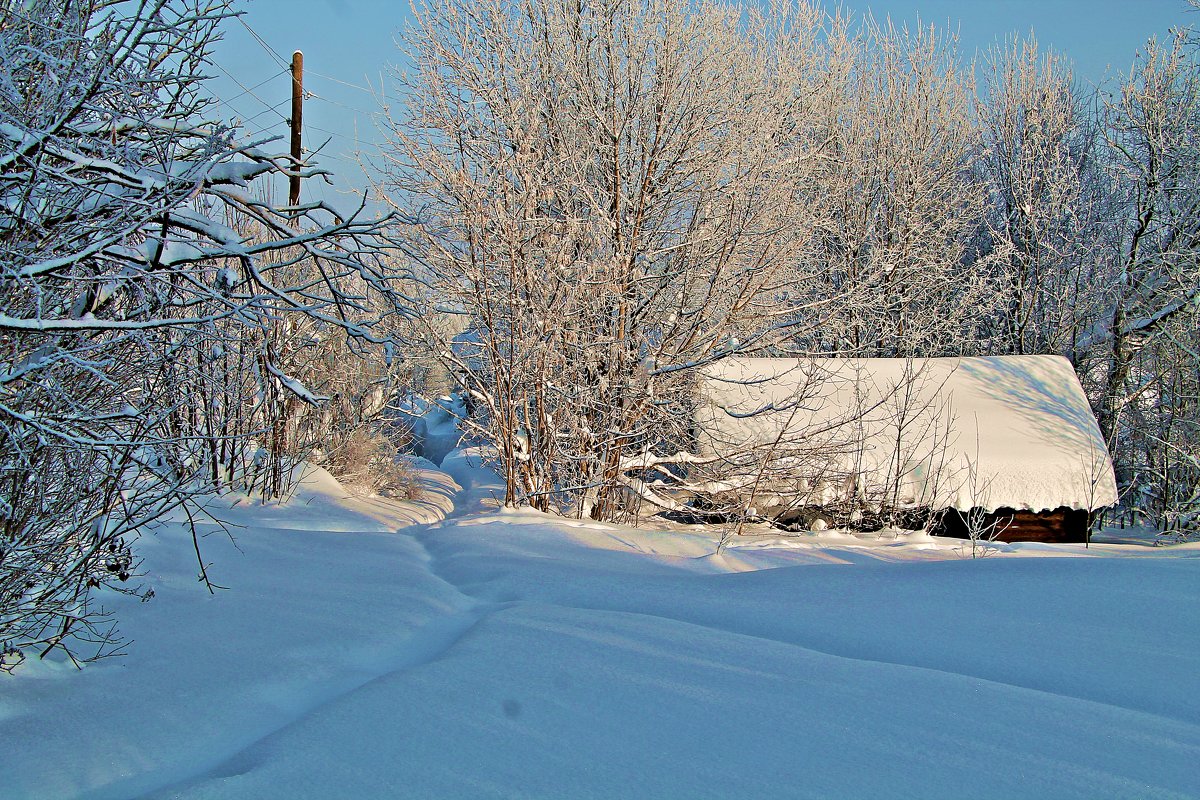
(258, 85)
(366, 89)
(263, 42)
(331, 101)
(250, 92)
(307, 71)
(274, 108)
(268, 108)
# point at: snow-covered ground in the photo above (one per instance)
(449, 649)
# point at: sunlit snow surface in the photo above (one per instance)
(365, 649)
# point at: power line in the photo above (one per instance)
(249, 91)
(356, 142)
(320, 184)
(330, 100)
(244, 120)
(274, 108)
(307, 71)
(273, 53)
(331, 133)
(247, 123)
(244, 92)
(366, 89)
(263, 42)
(268, 108)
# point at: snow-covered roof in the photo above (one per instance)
(991, 432)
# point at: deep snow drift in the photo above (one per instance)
(371, 649)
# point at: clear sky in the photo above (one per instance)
(348, 45)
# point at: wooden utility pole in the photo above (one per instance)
(296, 121)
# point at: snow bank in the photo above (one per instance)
(993, 432)
(321, 502)
(322, 593)
(508, 654)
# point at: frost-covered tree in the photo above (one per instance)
(1093, 230)
(122, 275)
(1094, 227)
(608, 194)
(1146, 340)
(1046, 191)
(896, 197)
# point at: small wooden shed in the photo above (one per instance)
(1004, 444)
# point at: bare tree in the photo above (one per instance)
(610, 195)
(897, 197)
(1045, 185)
(1146, 338)
(121, 279)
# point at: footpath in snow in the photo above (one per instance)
(446, 648)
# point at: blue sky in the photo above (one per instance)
(348, 45)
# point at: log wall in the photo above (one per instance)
(1060, 525)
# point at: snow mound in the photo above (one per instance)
(319, 501)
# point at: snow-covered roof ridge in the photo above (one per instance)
(986, 431)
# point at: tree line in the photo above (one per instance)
(606, 196)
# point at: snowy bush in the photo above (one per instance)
(368, 461)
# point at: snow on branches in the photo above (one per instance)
(137, 258)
